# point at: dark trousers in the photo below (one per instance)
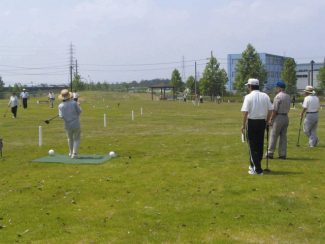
(24, 102)
(14, 111)
(255, 137)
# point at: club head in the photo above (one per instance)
(47, 121)
(267, 170)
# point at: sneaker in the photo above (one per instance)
(269, 156)
(283, 157)
(260, 173)
(74, 156)
(251, 172)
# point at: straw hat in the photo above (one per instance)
(65, 95)
(309, 89)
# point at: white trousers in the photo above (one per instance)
(310, 128)
(73, 140)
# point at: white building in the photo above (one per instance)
(304, 76)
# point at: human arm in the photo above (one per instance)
(245, 114)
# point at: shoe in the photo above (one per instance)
(283, 157)
(251, 172)
(260, 173)
(74, 156)
(269, 156)
(316, 143)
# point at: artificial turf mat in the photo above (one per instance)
(82, 159)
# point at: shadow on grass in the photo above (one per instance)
(282, 173)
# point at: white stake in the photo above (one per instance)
(132, 115)
(40, 136)
(105, 124)
(141, 111)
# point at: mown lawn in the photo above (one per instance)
(180, 177)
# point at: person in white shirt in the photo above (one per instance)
(75, 96)
(51, 98)
(13, 103)
(24, 96)
(310, 107)
(257, 108)
(69, 111)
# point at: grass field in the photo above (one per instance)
(180, 177)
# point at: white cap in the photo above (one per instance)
(253, 82)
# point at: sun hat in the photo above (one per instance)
(281, 84)
(65, 95)
(253, 82)
(309, 89)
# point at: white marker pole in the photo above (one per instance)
(141, 111)
(105, 124)
(40, 136)
(132, 114)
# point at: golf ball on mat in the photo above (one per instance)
(51, 152)
(112, 154)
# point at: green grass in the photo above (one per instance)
(180, 177)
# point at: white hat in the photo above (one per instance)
(252, 81)
(309, 89)
(65, 95)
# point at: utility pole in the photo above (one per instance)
(71, 65)
(183, 69)
(76, 67)
(312, 72)
(195, 81)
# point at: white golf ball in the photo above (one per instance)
(51, 152)
(112, 154)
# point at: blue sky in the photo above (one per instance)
(125, 40)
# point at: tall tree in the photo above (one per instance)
(176, 80)
(288, 75)
(190, 84)
(2, 84)
(321, 77)
(249, 66)
(214, 79)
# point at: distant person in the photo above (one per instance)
(24, 97)
(256, 110)
(293, 101)
(69, 111)
(201, 99)
(310, 107)
(184, 98)
(218, 99)
(51, 98)
(13, 104)
(75, 96)
(279, 121)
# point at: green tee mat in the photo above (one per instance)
(82, 159)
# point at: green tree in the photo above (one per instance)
(214, 79)
(288, 75)
(321, 77)
(77, 84)
(190, 84)
(249, 66)
(176, 81)
(2, 84)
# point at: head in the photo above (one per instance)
(253, 84)
(309, 90)
(24, 90)
(280, 86)
(65, 95)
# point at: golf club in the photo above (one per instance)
(48, 120)
(267, 150)
(299, 132)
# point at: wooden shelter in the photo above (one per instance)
(163, 89)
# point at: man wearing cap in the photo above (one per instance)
(69, 111)
(24, 96)
(257, 108)
(279, 121)
(310, 108)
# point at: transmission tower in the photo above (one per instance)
(71, 64)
